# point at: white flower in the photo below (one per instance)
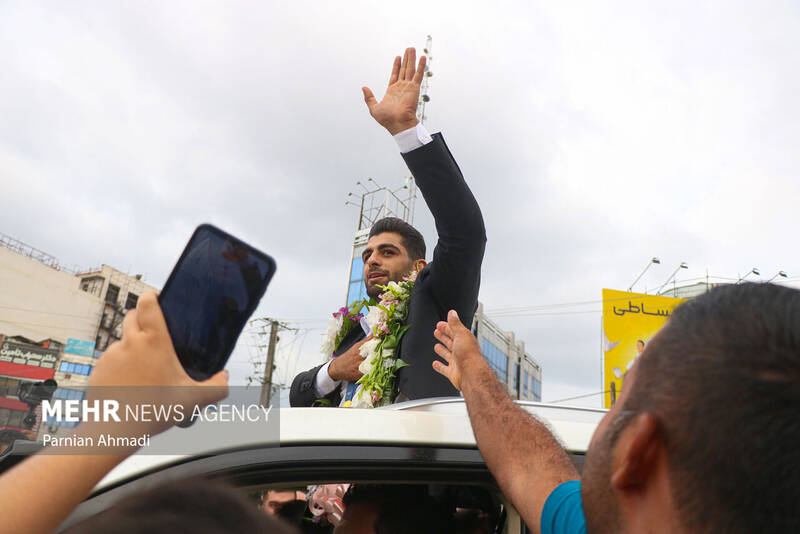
(326, 347)
(367, 352)
(366, 366)
(362, 399)
(395, 291)
(328, 344)
(388, 363)
(368, 349)
(374, 316)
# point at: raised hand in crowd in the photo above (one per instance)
(144, 357)
(525, 458)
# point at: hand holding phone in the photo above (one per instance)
(209, 296)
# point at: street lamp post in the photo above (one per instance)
(782, 274)
(754, 271)
(683, 265)
(651, 262)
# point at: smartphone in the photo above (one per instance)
(209, 296)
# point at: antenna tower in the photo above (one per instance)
(424, 98)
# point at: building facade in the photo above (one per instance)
(54, 323)
(356, 287)
(23, 361)
(521, 373)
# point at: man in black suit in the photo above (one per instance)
(450, 281)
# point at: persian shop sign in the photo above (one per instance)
(28, 355)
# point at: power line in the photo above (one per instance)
(520, 310)
(27, 325)
(42, 312)
(535, 314)
(581, 396)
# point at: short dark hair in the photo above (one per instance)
(411, 238)
(723, 379)
(401, 509)
(197, 506)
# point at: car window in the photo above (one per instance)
(353, 508)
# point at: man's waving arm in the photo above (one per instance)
(525, 458)
(455, 273)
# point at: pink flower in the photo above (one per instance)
(411, 277)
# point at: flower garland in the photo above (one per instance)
(342, 323)
(387, 322)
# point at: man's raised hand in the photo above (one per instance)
(398, 109)
(144, 360)
(457, 347)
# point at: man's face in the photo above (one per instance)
(599, 502)
(273, 501)
(385, 260)
(639, 346)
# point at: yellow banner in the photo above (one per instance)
(629, 321)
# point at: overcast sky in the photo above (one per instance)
(594, 136)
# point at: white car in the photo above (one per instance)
(428, 443)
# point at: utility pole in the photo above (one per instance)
(266, 385)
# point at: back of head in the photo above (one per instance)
(197, 506)
(723, 379)
(412, 239)
(401, 509)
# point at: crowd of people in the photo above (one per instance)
(704, 438)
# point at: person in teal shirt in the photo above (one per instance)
(563, 510)
(703, 437)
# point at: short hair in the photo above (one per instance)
(412, 240)
(723, 380)
(197, 506)
(401, 509)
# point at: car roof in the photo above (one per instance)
(441, 422)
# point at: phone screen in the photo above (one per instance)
(211, 293)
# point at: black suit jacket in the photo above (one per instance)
(450, 281)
